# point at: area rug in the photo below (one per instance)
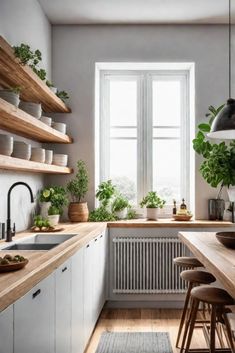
(134, 342)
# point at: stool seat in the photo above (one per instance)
(195, 276)
(187, 261)
(212, 295)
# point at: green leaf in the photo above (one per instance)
(204, 127)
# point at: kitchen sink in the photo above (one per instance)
(28, 246)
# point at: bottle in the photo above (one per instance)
(183, 206)
(174, 210)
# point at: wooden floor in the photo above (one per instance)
(142, 320)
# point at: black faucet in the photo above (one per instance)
(10, 232)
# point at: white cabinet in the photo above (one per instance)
(63, 308)
(6, 330)
(77, 291)
(34, 319)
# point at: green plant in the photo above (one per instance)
(27, 55)
(78, 186)
(53, 210)
(218, 167)
(152, 200)
(56, 195)
(41, 222)
(49, 83)
(62, 95)
(101, 214)
(119, 203)
(16, 89)
(40, 72)
(106, 190)
(131, 214)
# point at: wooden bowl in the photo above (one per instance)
(13, 266)
(227, 239)
(182, 217)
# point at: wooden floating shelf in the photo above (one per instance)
(11, 163)
(33, 89)
(21, 123)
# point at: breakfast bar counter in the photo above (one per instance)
(217, 259)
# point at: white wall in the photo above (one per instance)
(23, 21)
(76, 49)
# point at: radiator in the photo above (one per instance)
(144, 265)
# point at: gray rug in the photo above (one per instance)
(134, 342)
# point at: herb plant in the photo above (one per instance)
(53, 210)
(56, 195)
(119, 203)
(152, 200)
(62, 95)
(106, 190)
(16, 89)
(41, 222)
(78, 186)
(101, 214)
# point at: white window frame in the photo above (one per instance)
(145, 74)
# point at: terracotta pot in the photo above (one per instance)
(78, 212)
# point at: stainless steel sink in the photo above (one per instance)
(28, 246)
(47, 238)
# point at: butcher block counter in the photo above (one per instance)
(216, 258)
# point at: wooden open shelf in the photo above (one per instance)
(21, 123)
(33, 89)
(11, 163)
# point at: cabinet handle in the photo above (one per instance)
(64, 269)
(101, 236)
(35, 294)
(96, 239)
(88, 246)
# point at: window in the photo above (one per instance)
(144, 132)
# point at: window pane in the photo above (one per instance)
(116, 132)
(123, 167)
(123, 103)
(161, 132)
(166, 103)
(166, 169)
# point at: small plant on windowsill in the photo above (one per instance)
(152, 201)
(120, 207)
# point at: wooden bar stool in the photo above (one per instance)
(217, 298)
(194, 278)
(187, 262)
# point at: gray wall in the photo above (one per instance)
(23, 21)
(76, 49)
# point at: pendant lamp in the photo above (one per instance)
(223, 126)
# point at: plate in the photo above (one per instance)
(14, 266)
(47, 230)
(182, 218)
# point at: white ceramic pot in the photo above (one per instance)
(34, 109)
(53, 219)
(44, 209)
(6, 145)
(38, 154)
(61, 127)
(60, 159)
(121, 214)
(46, 120)
(48, 156)
(152, 213)
(9, 96)
(54, 89)
(21, 150)
(231, 193)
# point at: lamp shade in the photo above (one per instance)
(223, 126)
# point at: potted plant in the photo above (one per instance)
(152, 202)
(52, 196)
(106, 191)
(53, 216)
(218, 166)
(78, 187)
(120, 206)
(11, 95)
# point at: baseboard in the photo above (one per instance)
(111, 304)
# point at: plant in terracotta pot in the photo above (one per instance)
(78, 187)
(152, 201)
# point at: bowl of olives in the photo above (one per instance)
(12, 263)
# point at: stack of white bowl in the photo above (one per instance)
(6, 144)
(59, 127)
(38, 154)
(46, 120)
(60, 160)
(21, 150)
(10, 96)
(34, 109)
(48, 156)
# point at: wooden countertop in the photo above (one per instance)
(217, 259)
(169, 223)
(14, 285)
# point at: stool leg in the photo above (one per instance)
(212, 329)
(190, 324)
(229, 333)
(183, 316)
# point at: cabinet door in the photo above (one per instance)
(103, 269)
(34, 319)
(96, 285)
(77, 334)
(63, 308)
(89, 275)
(6, 330)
